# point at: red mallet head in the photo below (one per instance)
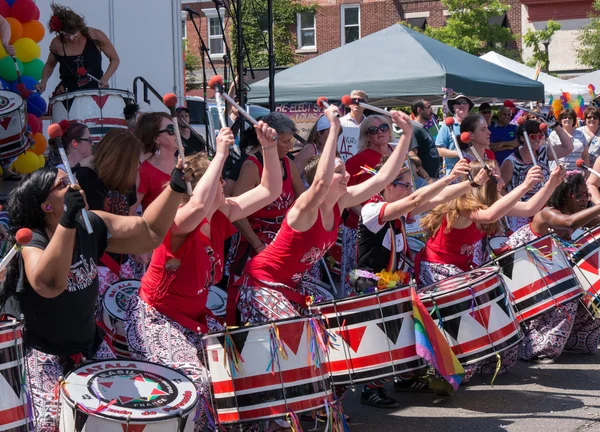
(521, 120)
(580, 163)
(54, 131)
(81, 71)
(543, 128)
(320, 101)
(23, 236)
(509, 104)
(449, 121)
(465, 137)
(170, 100)
(216, 82)
(347, 100)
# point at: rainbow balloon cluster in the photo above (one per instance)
(26, 32)
(568, 102)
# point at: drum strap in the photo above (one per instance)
(109, 262)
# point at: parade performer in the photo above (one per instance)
(74, 47)
(157, 134)
(480, 135)
(570, 325)
(55, 289)
(77, 142)
(258, 229)
(514, 169)
(165, 324)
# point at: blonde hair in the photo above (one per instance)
(359, 94)
(363, 138)
(198, 163)
(474, 200)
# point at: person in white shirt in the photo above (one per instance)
(348, 143)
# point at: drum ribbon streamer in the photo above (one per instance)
(24, 379)
(233, 356)
(336, 421)
(210, 414)
(277, 348)
(293, 421)
(318, 337)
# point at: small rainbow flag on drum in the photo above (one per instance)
(432, 346)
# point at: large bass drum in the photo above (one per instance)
(12, 126)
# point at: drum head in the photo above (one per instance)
(117, 295)
(142, 390)
(91, 92)
(460, 281)
(498, 242)
(217, 301)
(9, 102)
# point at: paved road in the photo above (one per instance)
(561, 397)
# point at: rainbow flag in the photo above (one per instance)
(432, 346)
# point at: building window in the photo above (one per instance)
(350, 23)
(184, 25)
(216, 45)
(307, 34)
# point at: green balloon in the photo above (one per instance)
(33, 69)
(7, 68)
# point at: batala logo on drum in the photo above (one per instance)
(123, 296)
(132, 388)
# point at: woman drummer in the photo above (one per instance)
(55, 289)
(172, 302)
(77, 46)
(569, 326)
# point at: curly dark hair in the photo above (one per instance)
(532, 127)
(569, 187)
(70, 22)
(24, 211)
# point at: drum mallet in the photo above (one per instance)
(22, 238)
(218, 80)
(82, 72)
(544, 129)
(521, 122)
(323, 103)
(216, 83)
(581, 164)
(170, 100)
(449, 122)
(21, 89)
(55, 133)
(542, 117)
(347, 100)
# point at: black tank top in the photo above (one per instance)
(90, 59)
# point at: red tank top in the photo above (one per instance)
(280, 206)
(180, 293)
(292, 253)
(456, 247)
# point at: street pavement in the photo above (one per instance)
(559, 397)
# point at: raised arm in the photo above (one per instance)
(271, 182)
(5, 34)
(555, 219)
(538, 201)
(566, 144)
(593, 183)
(388, 172)
(501, 207)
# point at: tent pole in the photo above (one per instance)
(240, 55)
(271, 57)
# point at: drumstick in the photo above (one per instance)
(170, 100)
(347, 100)
(581, 164)
(465, 137)
(510, 104)
(55, 133)
(543, 129)
(216, 83)
(323, 103)
(82, 72)
(521, 122)
(22, 238)
(21, 89)
(450, 123)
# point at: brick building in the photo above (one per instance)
(337, 22)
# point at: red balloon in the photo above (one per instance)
(4, 9)
(34, 123)
(37, 13)
(23, 10)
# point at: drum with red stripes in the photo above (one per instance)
(12, 125)
(474, 313)
(375, 335)
(127, 395)
(114, 305)
(15, 412)
(539, 277)
(279, 367)
(497, 245)
(585, 265)
(99, 109)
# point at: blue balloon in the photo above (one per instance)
(29, 82)
(10, 2)
(36, 105)
(6, 85)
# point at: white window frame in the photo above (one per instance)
(184, 16)
(343, 21)
(299, 33)
(210, 14)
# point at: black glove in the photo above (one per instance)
(74, 203)
(177, 181)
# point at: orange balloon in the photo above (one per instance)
(40, 144)
(16, 29)
(34, 30)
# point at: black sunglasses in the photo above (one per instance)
(86, 139)
(62, 183)
(356, 101)
(374, 129)
(170, 129)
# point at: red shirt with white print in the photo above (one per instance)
(292, 253)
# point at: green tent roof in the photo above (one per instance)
(394, 66)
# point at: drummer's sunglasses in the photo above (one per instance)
(170, 129)
(404, 185)
(579, 196)
(374, 129)
(357, 101)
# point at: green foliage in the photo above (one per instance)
(533, 39)
(192, 63)
(467, 27)
(255, 24)
(589, 36)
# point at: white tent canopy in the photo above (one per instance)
(552, 86)
(587, 79)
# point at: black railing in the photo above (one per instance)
(147, 88)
